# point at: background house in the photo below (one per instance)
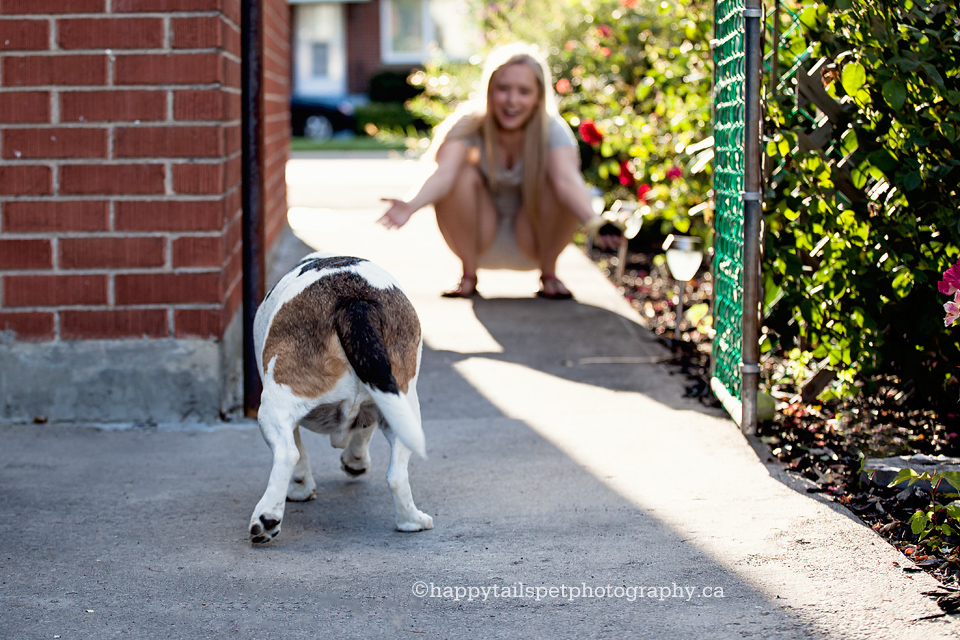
(338, 46)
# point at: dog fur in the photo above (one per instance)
(338, 347)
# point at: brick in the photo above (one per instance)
(231, 38)
(112, 253)
(28, 325)
(168, 142)
(25, 107)
(25, 254)
(24, 35)
(131, 6)
(22, 107)
(116, 179)
(60, 215)
(112, 106)
(68, 70)
(231, 74)
(198, 179)
(176, 68)
(167, 288)
(232, 139)
(199, 104)
(198, 323)
(233, 300)
(54, 143)
(113, 323)
(198, 251)
(169, 215)
(110, 33)
(25, 181)
(54, 290)
(196, 33)
(51, 6)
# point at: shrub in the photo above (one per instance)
(851, 279)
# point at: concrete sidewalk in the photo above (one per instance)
(575, 492)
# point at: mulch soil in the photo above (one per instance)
(822, 442)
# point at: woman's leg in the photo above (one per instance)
(468, 223)
(555, 229)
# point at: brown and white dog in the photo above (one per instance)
(338, 348)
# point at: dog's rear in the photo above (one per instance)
(338, 347)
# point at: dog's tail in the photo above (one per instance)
(359, 327)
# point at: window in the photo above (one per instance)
(412, 29)
(321, 60)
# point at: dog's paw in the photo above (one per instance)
(354, 466)
(417, 521)
(302, 490)
(263, 529)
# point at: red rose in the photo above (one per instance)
(590, 134)
(642, 191)
(626, 174)
(674, 172)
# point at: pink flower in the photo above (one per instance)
(590, 134)
(563, 85)
(642, 191)
(674, 172)
(605, 52)
(626, 174)
(950, 283)
(953, 310)
(570, 45)
(605, 30)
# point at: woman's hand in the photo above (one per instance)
(606, 235)
(397, 215)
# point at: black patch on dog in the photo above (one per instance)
(359, 325)
(333, 262)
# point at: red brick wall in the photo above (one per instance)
(276, 110)
(120, 167)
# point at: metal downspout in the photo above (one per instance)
(752, 212)
(251, 34)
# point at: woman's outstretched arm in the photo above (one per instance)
(450, 159)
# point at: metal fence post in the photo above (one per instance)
(752, 213)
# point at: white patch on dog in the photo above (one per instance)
(338, 347)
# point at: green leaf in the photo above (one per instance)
(952, 478)
(918, 522)
(853, 77)
(912, 180)
(908, 475)
(894, 94)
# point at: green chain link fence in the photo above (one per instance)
(729, 112)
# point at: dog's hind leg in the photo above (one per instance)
(409, 518)
(302, 485)
(355, 460)
(278, 429)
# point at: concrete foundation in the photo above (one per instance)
(121, 381)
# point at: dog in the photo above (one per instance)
(338, 348)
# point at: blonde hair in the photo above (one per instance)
(476, 117)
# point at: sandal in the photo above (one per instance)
(467, 288)
(550, 280)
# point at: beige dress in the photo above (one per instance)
(505, 253)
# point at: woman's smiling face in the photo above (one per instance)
(514, 95)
